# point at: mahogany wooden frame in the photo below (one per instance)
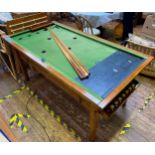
(90, 102)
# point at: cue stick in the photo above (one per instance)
(78, 67)
(72, 56)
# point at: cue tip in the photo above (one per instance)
(85, 77)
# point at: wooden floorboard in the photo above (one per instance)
(7, 83)
(36, 132)
(71, 112)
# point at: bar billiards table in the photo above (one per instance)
(113, 68)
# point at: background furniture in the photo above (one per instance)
(26, 22)
(4, 17)
(148, 33)
(21, 14)
(128, 18)
(3, 27)
(150, 69)
(75, 21)
(87, 27)
(112, 30)
(149, 27)
(97, 19)
(65, 18)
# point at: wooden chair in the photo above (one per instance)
(87, 27)
(65, 18)
(77, 22)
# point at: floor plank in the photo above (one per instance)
(76, 116)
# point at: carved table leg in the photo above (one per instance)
(20, 64)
